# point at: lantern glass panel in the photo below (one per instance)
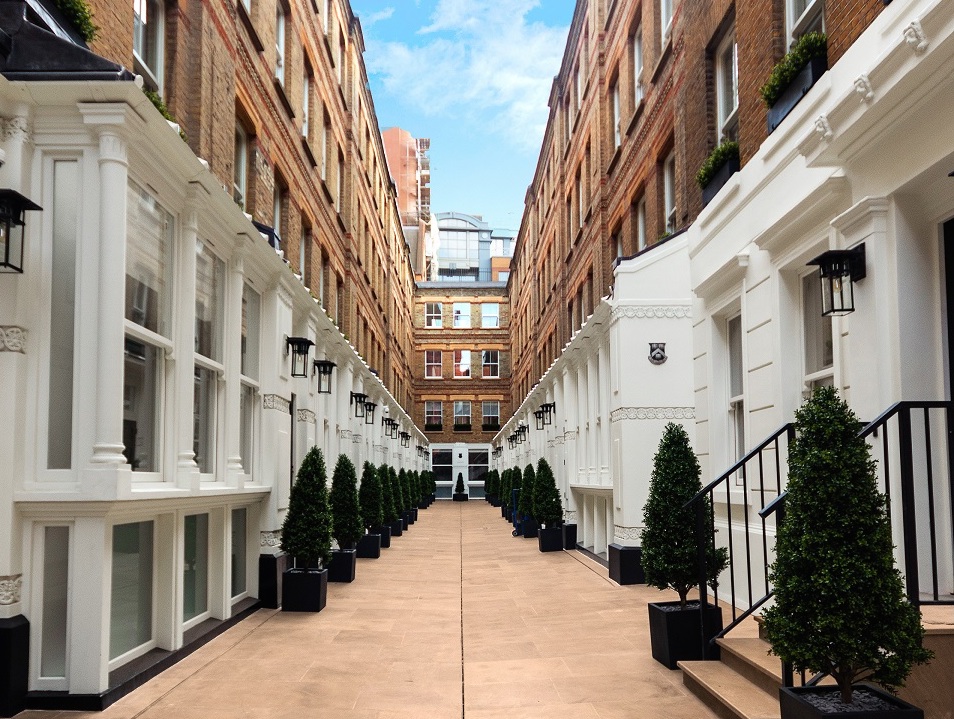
(11, 245)
(299, 356)
(369, 408)
(539, 414)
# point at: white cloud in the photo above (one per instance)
(380, 15)
(477, 61)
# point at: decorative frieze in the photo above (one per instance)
(344, 433)
(14, 128)
(627, 534)
(652, 312)
(10, 589)
(275, 401)
(863, 88)
(823, 127)
(569, 516)
(13, 339)
(915, 38)
(306, 415)
(356, 438)
(627, 413)
(272, 539)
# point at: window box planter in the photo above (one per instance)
(796, 90)
(304, 590)
(719, 178)
(462, 428)
(490, 426)
(369, 546)
(343, 565)
(433, 427)
(674, 633)
(795, 704)
(550, 539)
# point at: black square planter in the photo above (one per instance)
(414, 512)
(343, 564)
(550, 539)
(792, 94)
(369, 546)
(404, 522)
(460, 497)
(794, 705)
(397, 528)
(569, 536)
(503, 511)
(529, 527)
(385, 531)
(14, 664)
(625, 564)
(423, 504)
(408, 517)
(676, 634)
(719, 178)
(304, 590)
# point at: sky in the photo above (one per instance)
(474, 76)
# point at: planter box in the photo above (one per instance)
(676, 634)
(385, 531)
(800, 86)
(550, 539)
(529, 527)
(409, 517)
(397, 528)
(490, 427)
(423, 504)
(460, 497)
(626, 564)
(720, 177)
(343, 564)
(304, 590)
(404, 522)
(414, 512)
(433, 427)
(795, 706)
(462, 428)
(369, 546)
(503, 511)
(569, 536)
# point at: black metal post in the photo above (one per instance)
(908, 513)
(702, 541)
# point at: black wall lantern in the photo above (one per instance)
(839, 270)
(405, 439)
(358, 399)
(540, 414)
(369, 408)
(323, 368)
(549, 409)
(298, 346)
(12, 227)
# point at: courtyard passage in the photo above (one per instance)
(457, 619)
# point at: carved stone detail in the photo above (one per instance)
(915, 38)
(569, 436)
(569, 516)
(652, 312)
(626, 533)
(823, 127)
(13, 339)
(863, 88)
(356, 439)
(272, 539)
(344, 433)
(306, 415)
(14, 128)
(275, 401)
(10, 589)
(625, 413)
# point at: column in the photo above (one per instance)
(605, 396)
(233, 368)
(187, 471)
(592, 418)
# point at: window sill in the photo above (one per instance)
(249, 27)
(306, 145)
(283, 97)
(663, 59)
(637, 113)
(462, 428)
(614, 160)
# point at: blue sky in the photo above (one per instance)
(475, 77)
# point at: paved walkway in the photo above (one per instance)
(456, 620)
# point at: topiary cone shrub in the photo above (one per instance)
(669, 549)
(388, 507)
(839, 604)
(547, 507)
(516, 482)
(306, 531)
(459, 487)
(505, 492)
(369, 497)
(347, 526)
(397, 491)
(525, 502)
(404, 483)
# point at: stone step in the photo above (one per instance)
(750, 658)
(727, 693)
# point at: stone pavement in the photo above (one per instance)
(456, 620)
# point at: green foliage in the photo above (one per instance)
(808, 46)
(369, 495)
(79, 15)
(669, 549)
(415, 483)
(397, 491)
(525, 501)
(431, 482)
(506, 487)
(388, 505)
(516, 480)
(491, 484)
(459, 487)
(547, 507)
(721, 155)
(347, 527)
(404, 481)
(306, 531)
(839, 605)
(161, 107)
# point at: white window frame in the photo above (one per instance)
(240, 170)
(483, 411)
(727, 87)
(617, 117)
(462, 404)
(490, 359)
(669, 192)
(666, 12)
(486, 316)
(156, 27)
(735, 402)
(430, 362)
(434, 319)
(812, 17)
(637, 49)
(281, 22)
(810, 310)
(461, 317)
(306, 101)
(462, 364)
(152, 642)
(429, 406)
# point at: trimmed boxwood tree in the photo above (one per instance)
(369, 496)
(525, 503)
(388, 505)
(516, 482)
(547, 507)
(347, 527)
(404, 479)
(459, 487)
(669, 549)
(506, 488)
(397, 491)
(839, 605)
(306, 531)
(490, 485)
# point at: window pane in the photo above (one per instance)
(491, 411)
(56, 568)
(433, 412)
(209, 293)
(130, 620)
(147, 22)
(819, 348)
(462, 363)
(251, 318)
(462, 314)
(461, 412)
(490, 314)
(248, 402)
(735, 356)
(239, 550)
(141, 406)
(149, 236)
(195, 572)
(203, 416)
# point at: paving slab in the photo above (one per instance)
(457, 620)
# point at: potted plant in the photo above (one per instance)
(794, 76)
(528, 522)
(306, 536)
(547, 509)
(460, 492)
(718, 167)
(346, 524)
(392, 516)
(840, 605)
(372, 512)
(670, 553)
(398, 492)
(407, 503)
(422, 492)
(516, 482)
(505, 494)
